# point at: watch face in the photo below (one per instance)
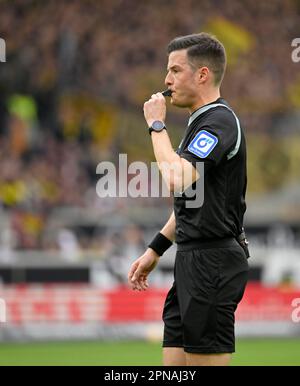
(158, 125)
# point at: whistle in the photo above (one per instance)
(167, 93)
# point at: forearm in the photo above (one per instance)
(163, 150)
(177, 173)
(168, 160)
(169, 229)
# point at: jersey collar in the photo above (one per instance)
(202, 110)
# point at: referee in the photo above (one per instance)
(211, 267)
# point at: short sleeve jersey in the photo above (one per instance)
(215, 138)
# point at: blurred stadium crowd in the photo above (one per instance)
(76, 76)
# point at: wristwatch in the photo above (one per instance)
(157, 126)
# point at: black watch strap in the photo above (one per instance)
(151, 130)
(157, 126)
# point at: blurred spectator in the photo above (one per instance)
(283, 264)
(7, 245)
(68, 245)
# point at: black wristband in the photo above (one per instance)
(160, 244)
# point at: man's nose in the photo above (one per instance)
(168, 80)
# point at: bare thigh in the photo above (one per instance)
(174, 356)
(208, 359)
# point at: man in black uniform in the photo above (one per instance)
(211, 267)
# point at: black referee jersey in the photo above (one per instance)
(214, 136)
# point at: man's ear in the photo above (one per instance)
(203, 74)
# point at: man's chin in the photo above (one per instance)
(177, 103)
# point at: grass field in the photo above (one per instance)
(252, 352)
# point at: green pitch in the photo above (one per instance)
(250, 352)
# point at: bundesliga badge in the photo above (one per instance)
(203, 144)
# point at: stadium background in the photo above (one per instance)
(72, 89)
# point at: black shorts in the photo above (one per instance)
(199, 309)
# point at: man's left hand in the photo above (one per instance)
(155, 109)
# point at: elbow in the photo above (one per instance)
(172, 174)
(176, 184)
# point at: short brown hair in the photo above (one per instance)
(203, 50)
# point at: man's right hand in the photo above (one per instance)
(140, 269)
